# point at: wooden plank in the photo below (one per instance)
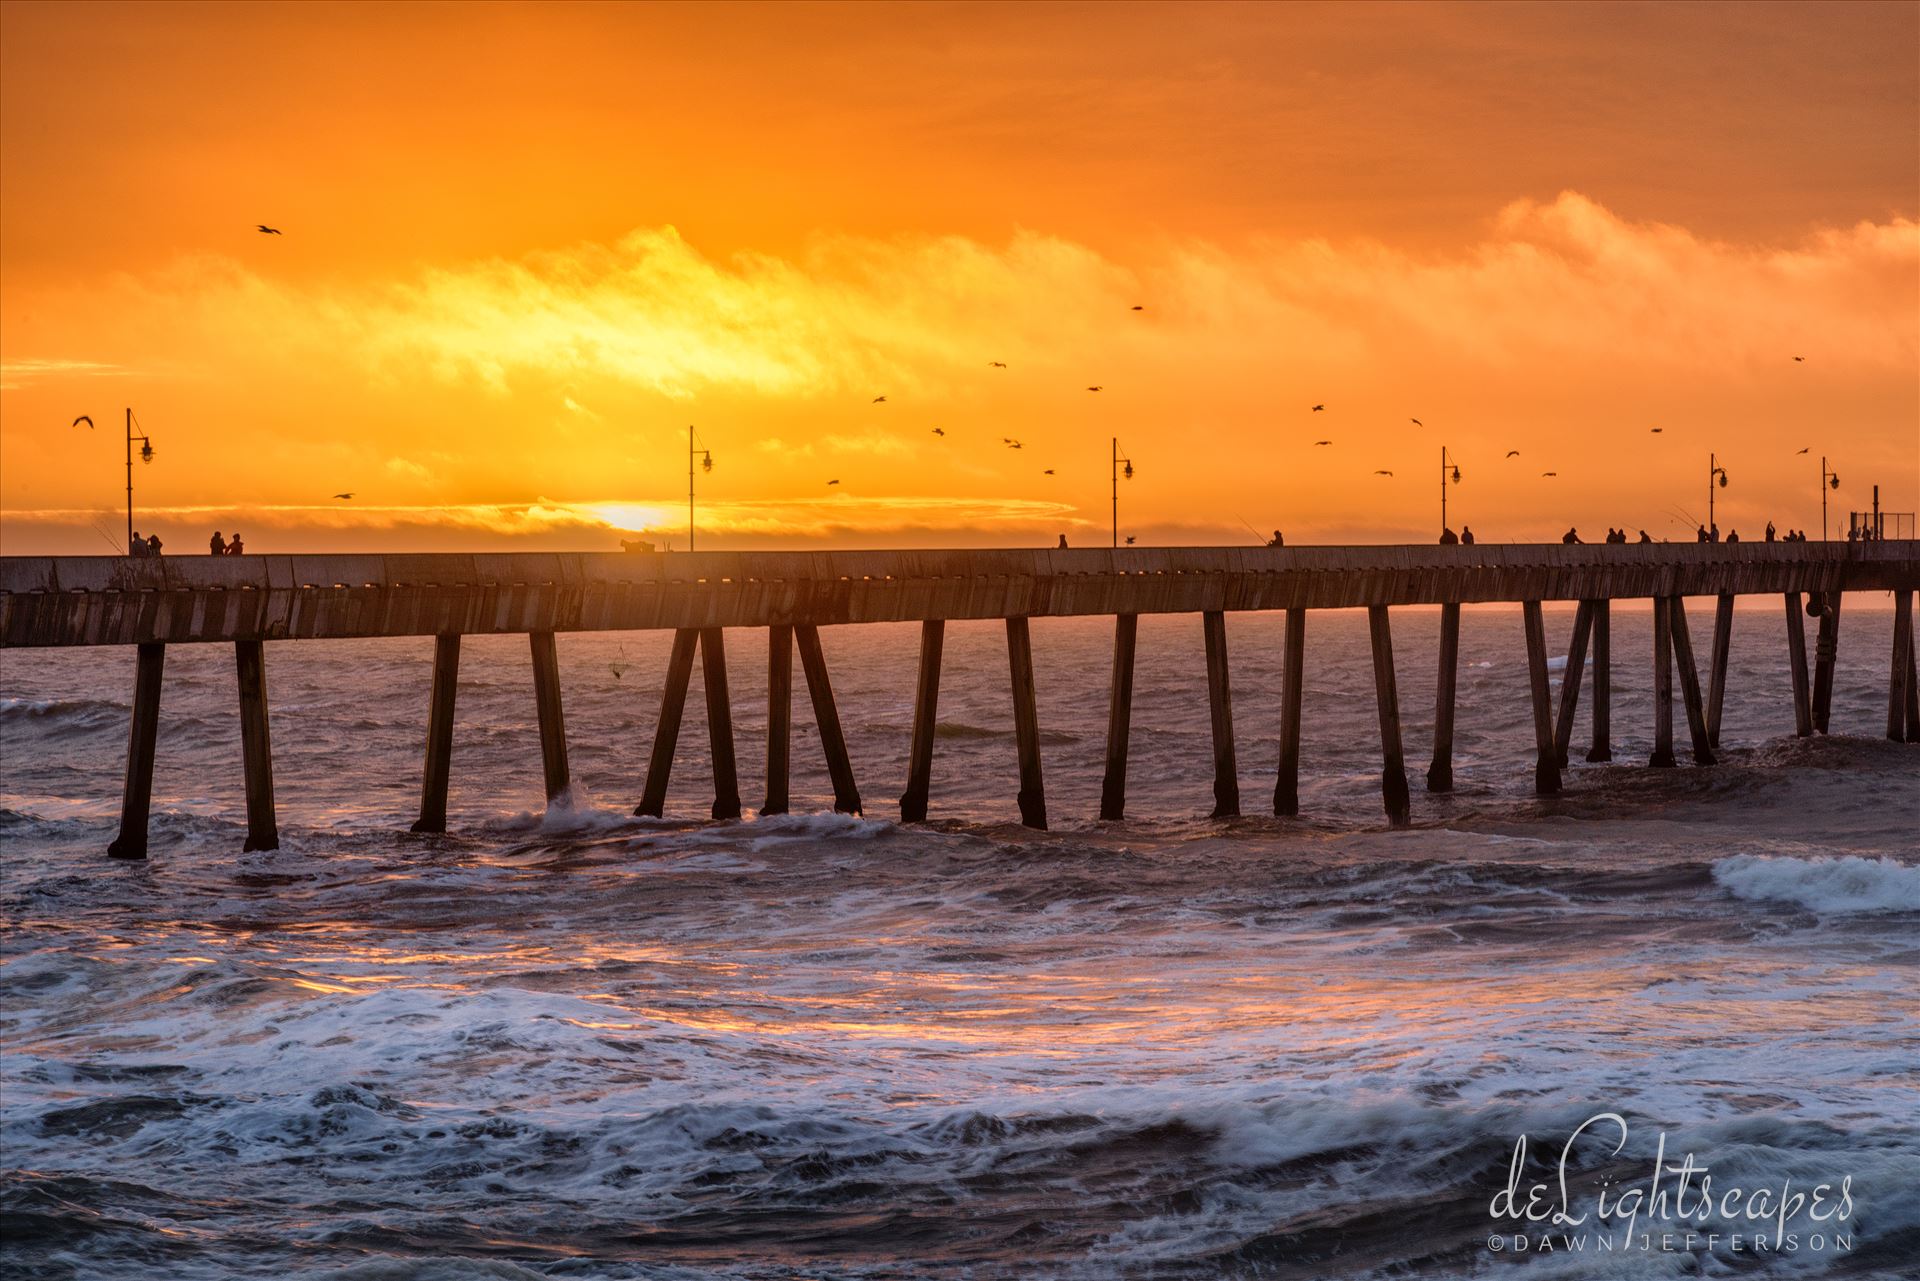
(1026, 724)
(1546, 769)
(1602, 749)
(926, 709)
(666, 732)
(726, 773)
(1440, 772)
(1797, 663)
(1226, 772)
(1286, 785)
(438, 767)
(779, 718)
(826, 716)
(1662, 683)
(553, 721)
(1826, 649)
(1902, 655)
(1386, 693)
(256, 745)
(1113, 786)
(1570, 680)
(143, 728)
(1689, 683)
(1717, 679)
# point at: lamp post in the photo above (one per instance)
(1449, 471)
(1828, 480)
(1122, 466)
(146, 456)
(1716, 475)
(705, 457)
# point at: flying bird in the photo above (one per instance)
(1013, 444)
(1095, 389)
(82, 419)
(1513, 453)
(348, 494)
(996, 364)
(834, 481)
(1383, 473)
(1416, 422)
(268, 231)
(1545, 474)
(1658, 430)
(939, 431)
(1800, 451)
(1047, 472)
(879, 400)
(1322, 442)
(1129, 540)
(1138, 307)
(1798, 359)
(1318, 408)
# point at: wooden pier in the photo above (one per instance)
(246, 601)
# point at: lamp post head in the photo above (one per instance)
(1128, 473)
(1723, 477)
(146, 451)
(1456, 475)
(706, 460)
(1833, 480)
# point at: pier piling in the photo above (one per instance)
(553, 721)
(1226, 772)
(438, 766)
(1570, 680)
(1113, 785)
(1546, 768)
(1440, 772)
(1897, 692)
(1602, 749)
(1386, 694)
(926, 706)
(726, 774)
(826, 717)
(1722, 648)
(779, 718)
(1827, 646)
(143, 730)
(666, 732)
(1689, 683)
(256, 745)
(1662, 757)
(1286, 784)
(1026, 724)
(1797, 664)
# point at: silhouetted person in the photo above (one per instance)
(1448, 538)
(1276, 540)
(136, 545)
(1063, 542)
(217, 545)
(1770, 531)
(1466, 535)
(1571, 536)
(1733, 535)
(1713, 533)
(235, 547)
(1701, 537)
(153, 544)
(1645, 537)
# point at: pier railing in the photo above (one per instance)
(246, 601)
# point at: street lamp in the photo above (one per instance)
(1449, 471)
(146, 456)
(1716, 475)
(1828, 480)
(1122, 466)
(705, 457)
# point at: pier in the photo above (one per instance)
(789, 597)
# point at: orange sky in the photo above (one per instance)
(526, 246)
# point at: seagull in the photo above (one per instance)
(1047, 472)
(1383, 473)
(1545, 474)
(348, 494)
(1013, 444)
(1322, 442)
(1798, 452)
(834, 481)
(939, 431)
(879, 400)
(268, 231)
(1129, 540)
(1658, 430)
(1513, 453)
(1416, 422)
(82, 419)
(996, 364)
(1006, 440)
(1138, 307)
(1094, 389)
(1798, 359)
(1318, 408)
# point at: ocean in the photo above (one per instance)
(572, 1043)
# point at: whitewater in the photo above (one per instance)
(566, 1042)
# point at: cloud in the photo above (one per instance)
(407, 468)
(17, 373)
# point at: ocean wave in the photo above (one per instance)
(1829, 886)
(83, 712)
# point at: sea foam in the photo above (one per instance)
(1829, 886)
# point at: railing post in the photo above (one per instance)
(143, 729)
(666, 733)
(779, 718)
(1602, 749)
(1717, 680)
(1827, 648)
(1546, 769)
(1386, 694)
(726, 774)
(826, 716)
(553, 721)
(256, 745)
(1662, 684)
(1440, 773)
(1113, 786)
(438, 766)
(1797, 664)
(1226, 771)
(1570, 680)
(926, 707)
(1286, 783)
(1689, 683)
(1026, 724)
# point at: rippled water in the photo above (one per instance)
(578, 1044)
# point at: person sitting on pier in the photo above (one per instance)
(1733, 535)
(1645, 537)
(153, 544)
(1466, 535)
(1571, 536)
(1063, 543)
(217, 545)
(1276, 540)
(1448, 538)
(234, 546)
